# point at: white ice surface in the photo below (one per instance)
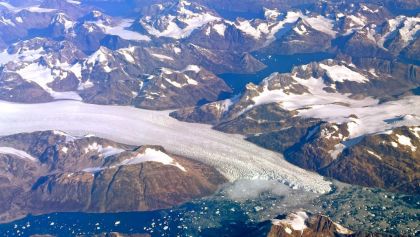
(42, 76)
(122, 30)
(342, 73)
(22, 55)
(230, 154)
(16, 152)
(338, 108)
(295, 220)
(153, 155)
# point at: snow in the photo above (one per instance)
(374, 154)
(191, 20)
(337, 150)
(416, 131)
(407, 27)
(177, 50)
(410, 28)
(367, 9)
(357, 20)
(100, 57)
(337, 108)
(271, 14)
(296, 221)
(22, 55)
(42, 75)
(193, 68)
(220, 29)
(64, 149)
(246, 27)
(121, 30)
(342, 73)
(300, 30)
(161, 57)
(127, 53)
(406, 141)
(322, 24)
(230, 154)
(342, 230)
(16, 152)
(6, 21)
(149, 155)
(19, 19)
(174, 83)
(153, 155)
(191, 81)
(291, 17)
(104, 151)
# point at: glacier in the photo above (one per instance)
(230, 154)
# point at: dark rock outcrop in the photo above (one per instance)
(55, 172)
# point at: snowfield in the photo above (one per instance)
(230, 154)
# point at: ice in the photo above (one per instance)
(338, 108)
(41, 75)
(406, 27)
(406, 141)
(162, 57)
(6, 21)
(22, 55)
(295, 220)
(220, 29)
(127, 55)
(230, 154)
(374, 154)
(342, 73)
(149, 155)
(322, 24)
(153, 155)
(271, 14)
(174, 83)
(104, 151)
(121, 30)
(191, 20)
(16, 152)
(246, 27)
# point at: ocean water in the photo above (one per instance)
(203, 218)
(241, 210)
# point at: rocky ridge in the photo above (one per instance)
(65, 173)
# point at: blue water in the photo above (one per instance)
(275, 63)
(205, 218)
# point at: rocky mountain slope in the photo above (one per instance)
(84, 54)
(321, 116)
(65, 173)
(306, 224)
(354, 117)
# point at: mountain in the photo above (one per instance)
(302, 223)
(304, 93)
(66, 173)
(317, 114)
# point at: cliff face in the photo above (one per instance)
(54, 172)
